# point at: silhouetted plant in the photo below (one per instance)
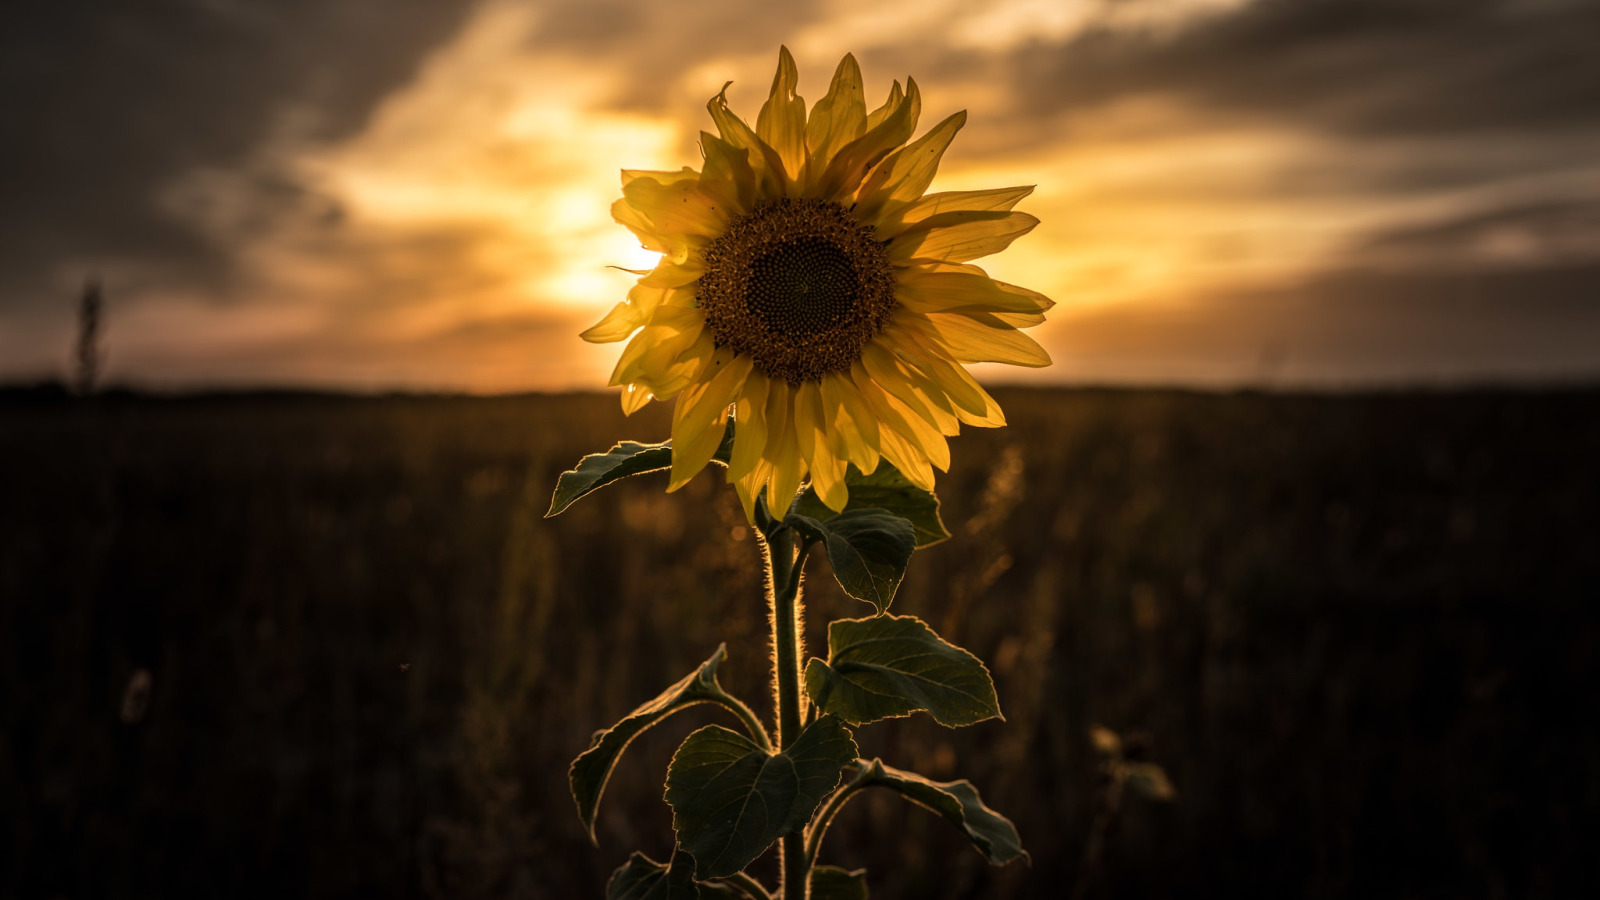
(87, 374)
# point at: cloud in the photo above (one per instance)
(107, 102)
(1348, 327)
(1553, 233)
(1365, 67)
(290, 192)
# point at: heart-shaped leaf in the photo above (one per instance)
(888, 666)
(592, 769)
(886, 489)
(642, 878)
(959, 803)
(869, 550)
(730, 799)
(834, 883)
(597, 470)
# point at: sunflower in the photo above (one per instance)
(811, 289)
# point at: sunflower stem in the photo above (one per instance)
(786, 554)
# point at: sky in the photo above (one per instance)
(414, 194)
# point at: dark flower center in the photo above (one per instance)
(804, 286)
(799, 286)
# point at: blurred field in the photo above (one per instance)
(1359, 632)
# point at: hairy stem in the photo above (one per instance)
(785, 558)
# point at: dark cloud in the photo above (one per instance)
(653, 44)
(142, 133)
(107, 102)
(1349, 326)
(1554, 232)
(1365, 67)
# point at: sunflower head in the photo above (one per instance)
(811, 288)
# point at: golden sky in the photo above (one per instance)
(1231, 192)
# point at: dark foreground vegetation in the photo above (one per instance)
(327, 647)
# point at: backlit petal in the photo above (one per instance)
(908, 173)
(827, 469)
(846, 170)
(981, 338)
(750, 436)
(924, 291)
(782, 122)
(960, 236)
(702, 414)
(764, 160)
(782, 448)
(899, 217)
(839, 117)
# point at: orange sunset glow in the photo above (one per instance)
(1230, 192)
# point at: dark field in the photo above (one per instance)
(1359, 633)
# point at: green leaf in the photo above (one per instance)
(884, 489)
(642, 878)
(590, 771)
(597, 470)
(834, 883)
(959, 803)
(888, 666)
(730, 799)
(869, 550)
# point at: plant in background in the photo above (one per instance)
(811, 314)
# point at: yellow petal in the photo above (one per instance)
(750, 437)
(839, 117)
(749, 487)
(689, 458)
(678, 208)
(827, 477)
(674, 245)
(764, 160)
(896, 97)
(1019, 320)
(827, 470)
(635, 398)
(904, 177)
(973, 405)
(667, 381)
(641, 226)
(959, 236)
(729, 165)
(782, 121)
(973, 338)
(894, 416)
(910, 461)
(668, 274)
(928, 439)
(618, 324)
(782, 450)
(897, 219)
(854, 160)
(697, 425)
(897, 380)
(662, 176)
(658, 345)
(853, 429)
(923, 291)
(645, 299)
